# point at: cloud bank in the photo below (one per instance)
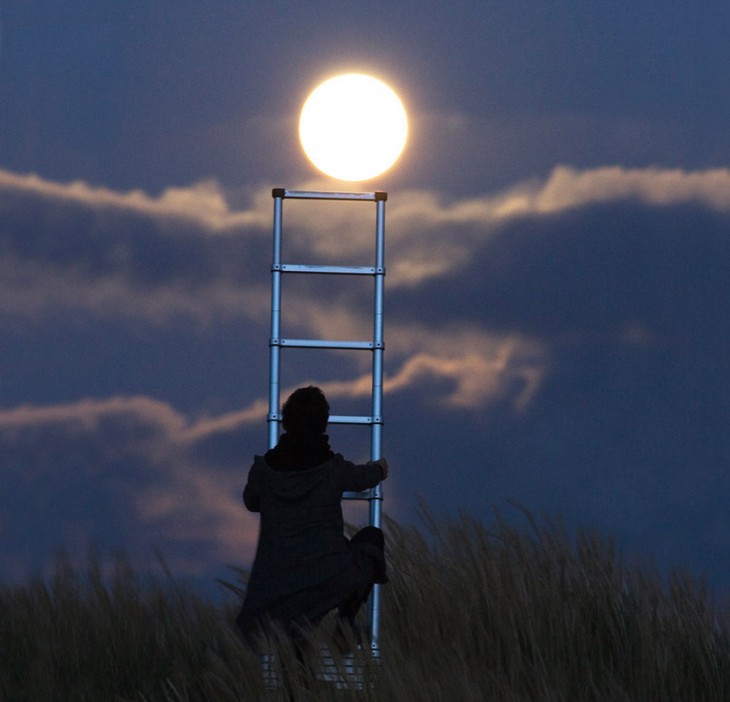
(564, 342)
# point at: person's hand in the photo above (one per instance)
(383, 463)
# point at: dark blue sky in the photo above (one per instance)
(557, 297)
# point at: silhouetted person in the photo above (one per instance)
(305, 566)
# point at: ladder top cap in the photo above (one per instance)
(283, 193)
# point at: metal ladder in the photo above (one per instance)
(374, 420)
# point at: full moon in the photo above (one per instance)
(353, 127)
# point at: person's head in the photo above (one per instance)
(305, 412)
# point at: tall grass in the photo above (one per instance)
(470, 613)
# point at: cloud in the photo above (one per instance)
(188, 253)
(569, 188)
(136, 471)
(122, 472)
(566, 338)
(588, 253)
(73, 249)
(478, 289)
(618, 272)
(202, 204)
(433, 236)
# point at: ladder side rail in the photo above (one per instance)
(378, 339)
(376, 500)
(274, 347)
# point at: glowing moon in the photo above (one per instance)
(353, 127)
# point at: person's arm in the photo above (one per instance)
(367, 475)
(252, 493)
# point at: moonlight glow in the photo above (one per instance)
(353, 127)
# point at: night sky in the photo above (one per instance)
(557, 250)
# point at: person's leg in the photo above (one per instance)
(297, 653)
(347, 630)
(371, 541)
(370, 545)
(349, 608)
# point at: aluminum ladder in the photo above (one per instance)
(375, 345)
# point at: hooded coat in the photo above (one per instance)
(304, 565)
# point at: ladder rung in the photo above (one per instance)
(364, 495)
(354, 419)
(322, 344)
(319, 195)
(342, 270)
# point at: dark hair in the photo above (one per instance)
(306, 411)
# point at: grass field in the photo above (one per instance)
(470, 613)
